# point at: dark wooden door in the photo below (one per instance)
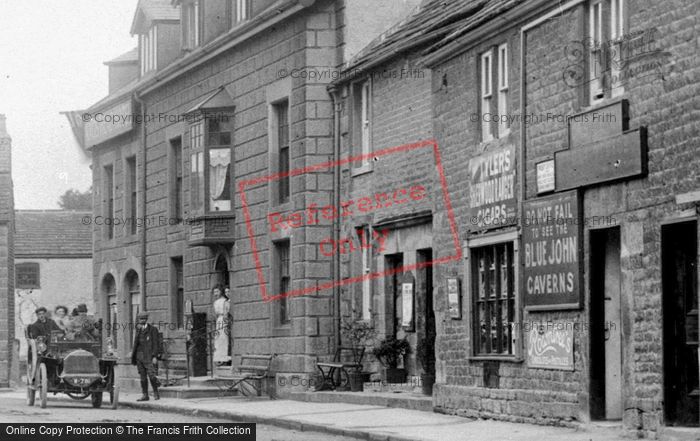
(680, 317)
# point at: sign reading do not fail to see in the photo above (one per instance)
(552, 232)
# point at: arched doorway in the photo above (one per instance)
(133, 291)
(109, 294)
(221, 273)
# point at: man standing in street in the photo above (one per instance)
(145, 355)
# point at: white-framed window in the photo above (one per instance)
(364, 236)
(148, 45)
(494, 92)
(503, 127)
(240, 11)
(190, 24)
(606, 30)
(211, 173)
(486, 95)
(362, 122)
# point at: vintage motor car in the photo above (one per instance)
(74, 364)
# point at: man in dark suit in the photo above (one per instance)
(145, 355)
(42, 325)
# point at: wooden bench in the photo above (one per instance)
(253, 371)
(335, 374)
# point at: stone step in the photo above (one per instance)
(401, 400)
(196, 392)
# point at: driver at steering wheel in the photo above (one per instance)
(43, 325)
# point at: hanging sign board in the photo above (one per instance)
(551, 252)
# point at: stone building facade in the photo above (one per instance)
(232, 96)
(8, 347)
(572, 163)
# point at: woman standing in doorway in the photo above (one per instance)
(221, 309)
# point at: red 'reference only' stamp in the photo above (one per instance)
(314, 214)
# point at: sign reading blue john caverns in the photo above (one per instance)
(551, 252)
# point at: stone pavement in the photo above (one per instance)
(360, 421)
(366, 422)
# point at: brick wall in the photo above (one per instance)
(8, 353)
(400, 115)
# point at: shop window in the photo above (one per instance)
(493, 299)
(27, 276)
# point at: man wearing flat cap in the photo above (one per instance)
(42, 325)
(145, 355)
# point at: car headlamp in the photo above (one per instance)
(41, 344)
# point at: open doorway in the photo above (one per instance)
(679, 279)
(605, 329)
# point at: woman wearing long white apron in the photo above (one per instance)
(221, 309)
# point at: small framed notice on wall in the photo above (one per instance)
(454, 298)
(407, 306)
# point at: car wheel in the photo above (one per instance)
(114, 397)
(96, 399)
(43, 382)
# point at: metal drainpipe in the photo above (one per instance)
(336, 222)
(142, 106)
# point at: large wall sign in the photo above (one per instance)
(551, 252)
(492, 199)
(551, 346)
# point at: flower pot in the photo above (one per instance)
(427, 382)
(396, 375)
(356, 381)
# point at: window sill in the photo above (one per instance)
(504, 358)
(364, 169)
(600, 104)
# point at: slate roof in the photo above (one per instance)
(127, 57)
(52, 233)
(428, 23)
(150, 10)
(435, 26)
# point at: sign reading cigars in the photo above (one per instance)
(551, 252)
(492, 201)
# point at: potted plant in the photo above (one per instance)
(389, 352)
(358, 333)
(425, 353)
